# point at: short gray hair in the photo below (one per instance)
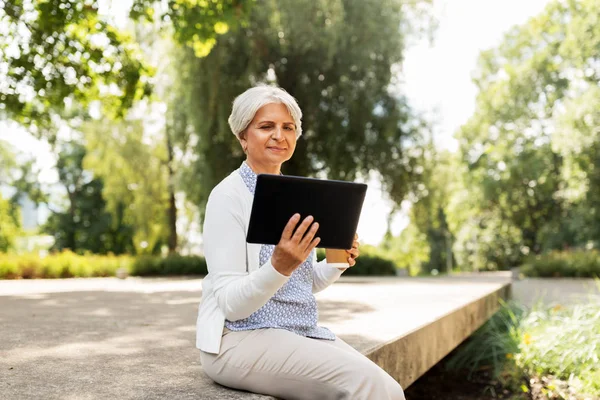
(248, 103)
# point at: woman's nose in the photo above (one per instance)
(277, 133)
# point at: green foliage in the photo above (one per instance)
(372, 265)
(60, 53)
(67, 264)
(563, 343)
(134, 175)
(9, 213)
(86, 226)
(21, 176)
(428, 213)
(493, 345)
(563, 264)
(408, 250)
(370, 262)
(195, 23)
(578, 142)
(61, 265)
(559, 344)
(338, 67)
(171, 265)
(7, 162)
(527, 177)
(9, 225)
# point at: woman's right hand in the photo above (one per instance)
(295, 247)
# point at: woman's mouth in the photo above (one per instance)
(277, 149)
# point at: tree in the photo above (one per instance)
(510, 143)
(131, 162)
(9, 217)
(9, 226)
(339, 68)
(195, 24)
(7, 162)
(21, 178)
(577, 140)
(86, 225)
(59, 54)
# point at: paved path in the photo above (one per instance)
(106, 338)
(552, 291)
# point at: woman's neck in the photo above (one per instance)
(264, 169)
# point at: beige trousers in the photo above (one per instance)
(283, 364)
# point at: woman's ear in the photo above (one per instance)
(243, 141)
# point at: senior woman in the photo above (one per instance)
(257, 323)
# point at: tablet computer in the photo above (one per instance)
(335, 205)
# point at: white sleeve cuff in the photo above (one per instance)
(338, 265)
(269, 279)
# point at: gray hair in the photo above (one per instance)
(248, 103)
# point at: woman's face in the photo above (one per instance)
(270, 138)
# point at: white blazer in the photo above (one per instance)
(235, 286)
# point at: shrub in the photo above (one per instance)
(567, 264)
(367, 264)
(372, 265)
(68, 265)
(171, 265)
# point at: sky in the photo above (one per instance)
(437, 81)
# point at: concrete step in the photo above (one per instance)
(134, 338)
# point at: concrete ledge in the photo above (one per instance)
(134, 338)
(409, 356)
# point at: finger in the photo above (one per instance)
(301, 230)
(307, 239)
(312, 245)
(353, 252)
(288, 231)
(351, 262)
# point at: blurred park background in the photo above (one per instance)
(475, 123)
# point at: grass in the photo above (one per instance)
(564, 345)
(554, 351)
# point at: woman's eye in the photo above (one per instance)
(265, 127)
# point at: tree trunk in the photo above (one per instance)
(71, 243)
(172, 210)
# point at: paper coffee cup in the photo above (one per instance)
(335, 256)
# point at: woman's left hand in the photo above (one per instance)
(353, 253)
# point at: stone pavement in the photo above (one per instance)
(551, 291)
(105, 338)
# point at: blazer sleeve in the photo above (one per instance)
(324, 274)
(237, 292)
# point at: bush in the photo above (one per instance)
(565, 264)
(60, 265)
(372, 265)
(171, 265)
(367, 264)
(68, 265)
